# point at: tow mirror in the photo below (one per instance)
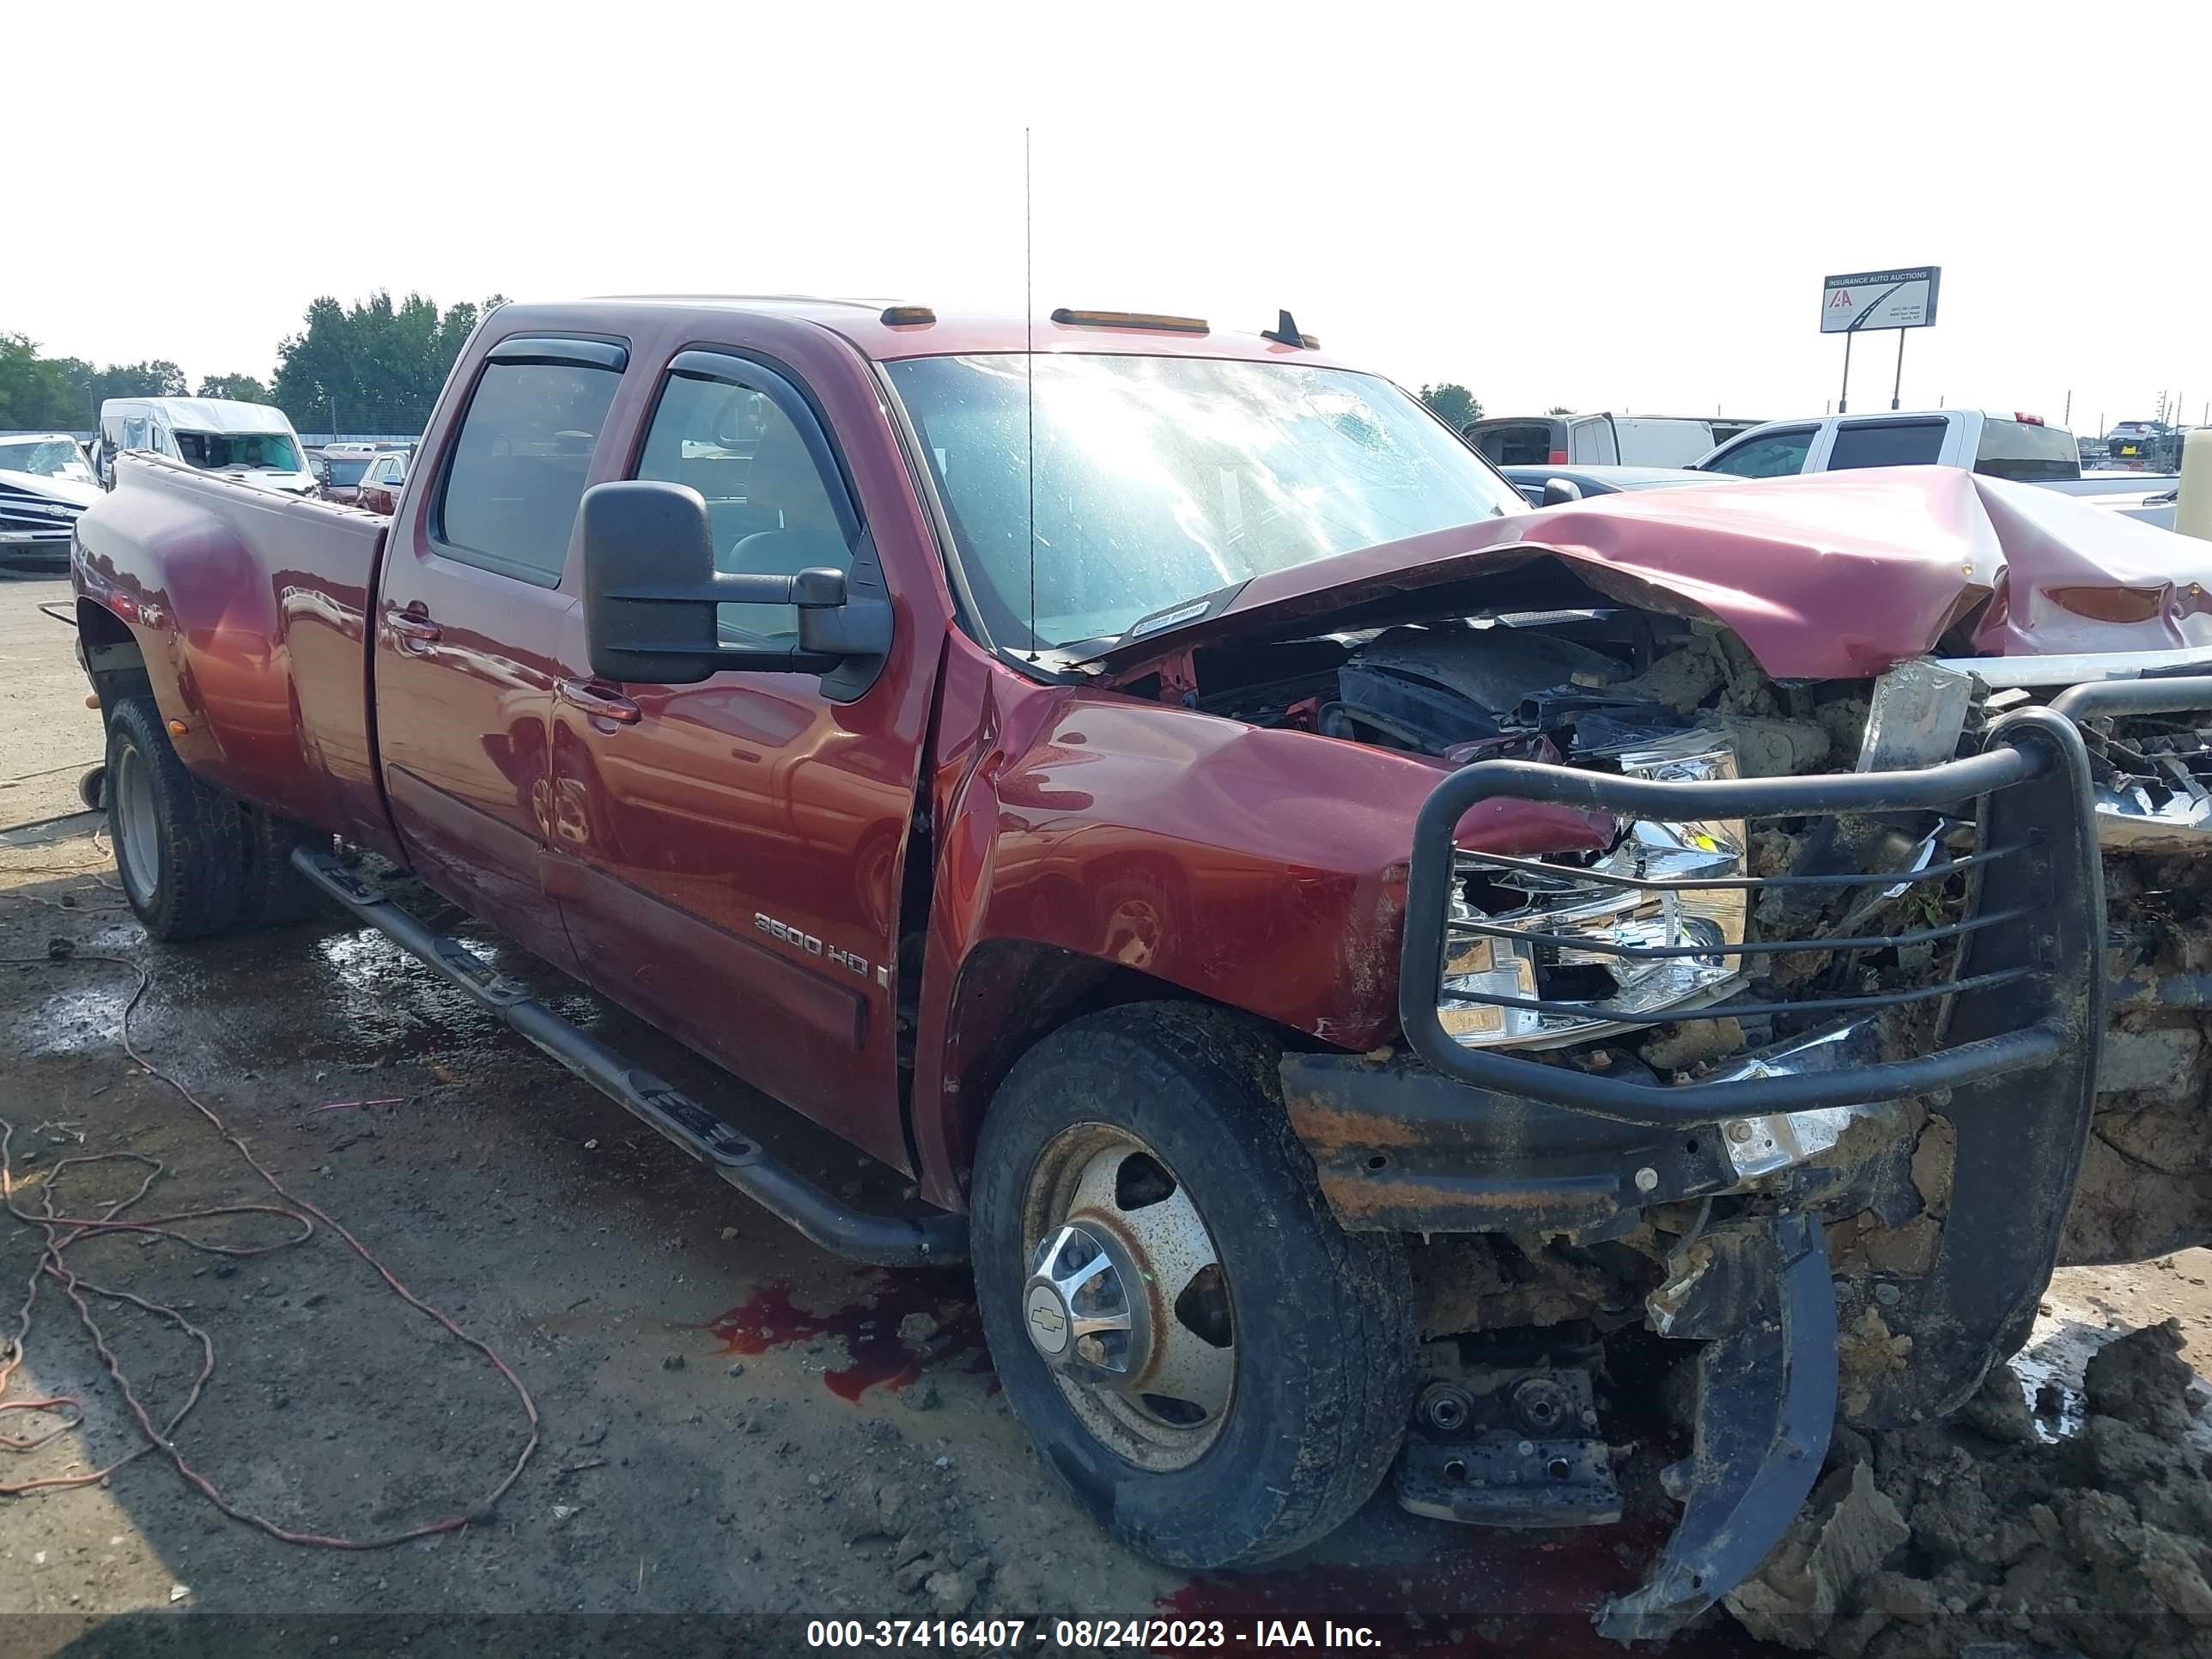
(1557, 492)
(651, 592)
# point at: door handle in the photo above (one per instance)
(412, 628)
(597, 700)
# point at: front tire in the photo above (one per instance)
(178, 843)
(1249, 1366)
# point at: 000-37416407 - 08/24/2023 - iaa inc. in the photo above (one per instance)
(1140, 1635)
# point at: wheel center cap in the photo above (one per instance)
(1077, 1308)
(1046, 1315)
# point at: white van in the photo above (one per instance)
(253, 443)
(1600, 439)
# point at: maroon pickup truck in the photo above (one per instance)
(1372, 975)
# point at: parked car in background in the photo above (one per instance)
(45, 482)
(2143, 446)
(382, 481)
(1532, 481)
(253, 443)
(1600, 439)
(344, 465)
(2023, 447)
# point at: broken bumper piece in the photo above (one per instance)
(1757, 1293)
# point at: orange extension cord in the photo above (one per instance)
(64, 1232)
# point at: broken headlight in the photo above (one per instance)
(1539, 954)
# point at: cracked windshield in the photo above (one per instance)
(1160, 479)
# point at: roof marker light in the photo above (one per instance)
(1067, 319)
(907, 316)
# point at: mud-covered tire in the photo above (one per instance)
(1323, 1321)
(180, 843)
(275, 891)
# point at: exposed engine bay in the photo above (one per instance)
(1827, 1225)
(1623, 691)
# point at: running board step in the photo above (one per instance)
(883, 1240)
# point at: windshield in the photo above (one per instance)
(345, 474)
(46, 458)
(220, 451)
(1159, 479)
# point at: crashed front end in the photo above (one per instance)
(1799, 1073)
(1873, 982)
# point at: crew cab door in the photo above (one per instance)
(1890, 441)
(469, 622)
(728, 855)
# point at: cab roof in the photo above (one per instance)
(861, 323)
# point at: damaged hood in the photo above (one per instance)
(1832, 576)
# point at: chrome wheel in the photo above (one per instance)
(138, 824)
(1127, 1300)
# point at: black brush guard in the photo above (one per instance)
(2025, 982)
(2013, 1070)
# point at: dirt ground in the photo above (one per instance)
(47, 736)
(730, 1422)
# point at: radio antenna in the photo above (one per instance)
(1028, 372)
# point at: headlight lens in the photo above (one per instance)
(1541, 936)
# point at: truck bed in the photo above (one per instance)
(2116, 484)
(251, 610)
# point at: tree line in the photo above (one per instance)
(1454, 405)
(373, 367)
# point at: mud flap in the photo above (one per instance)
(1758, 1294)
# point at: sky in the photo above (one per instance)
(1621, 207)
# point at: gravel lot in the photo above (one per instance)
(47, 736)
(729, 1421)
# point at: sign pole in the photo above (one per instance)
(1874, 300)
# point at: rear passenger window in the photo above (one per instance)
(520, 464)
(774, 513)
(1887, 443)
